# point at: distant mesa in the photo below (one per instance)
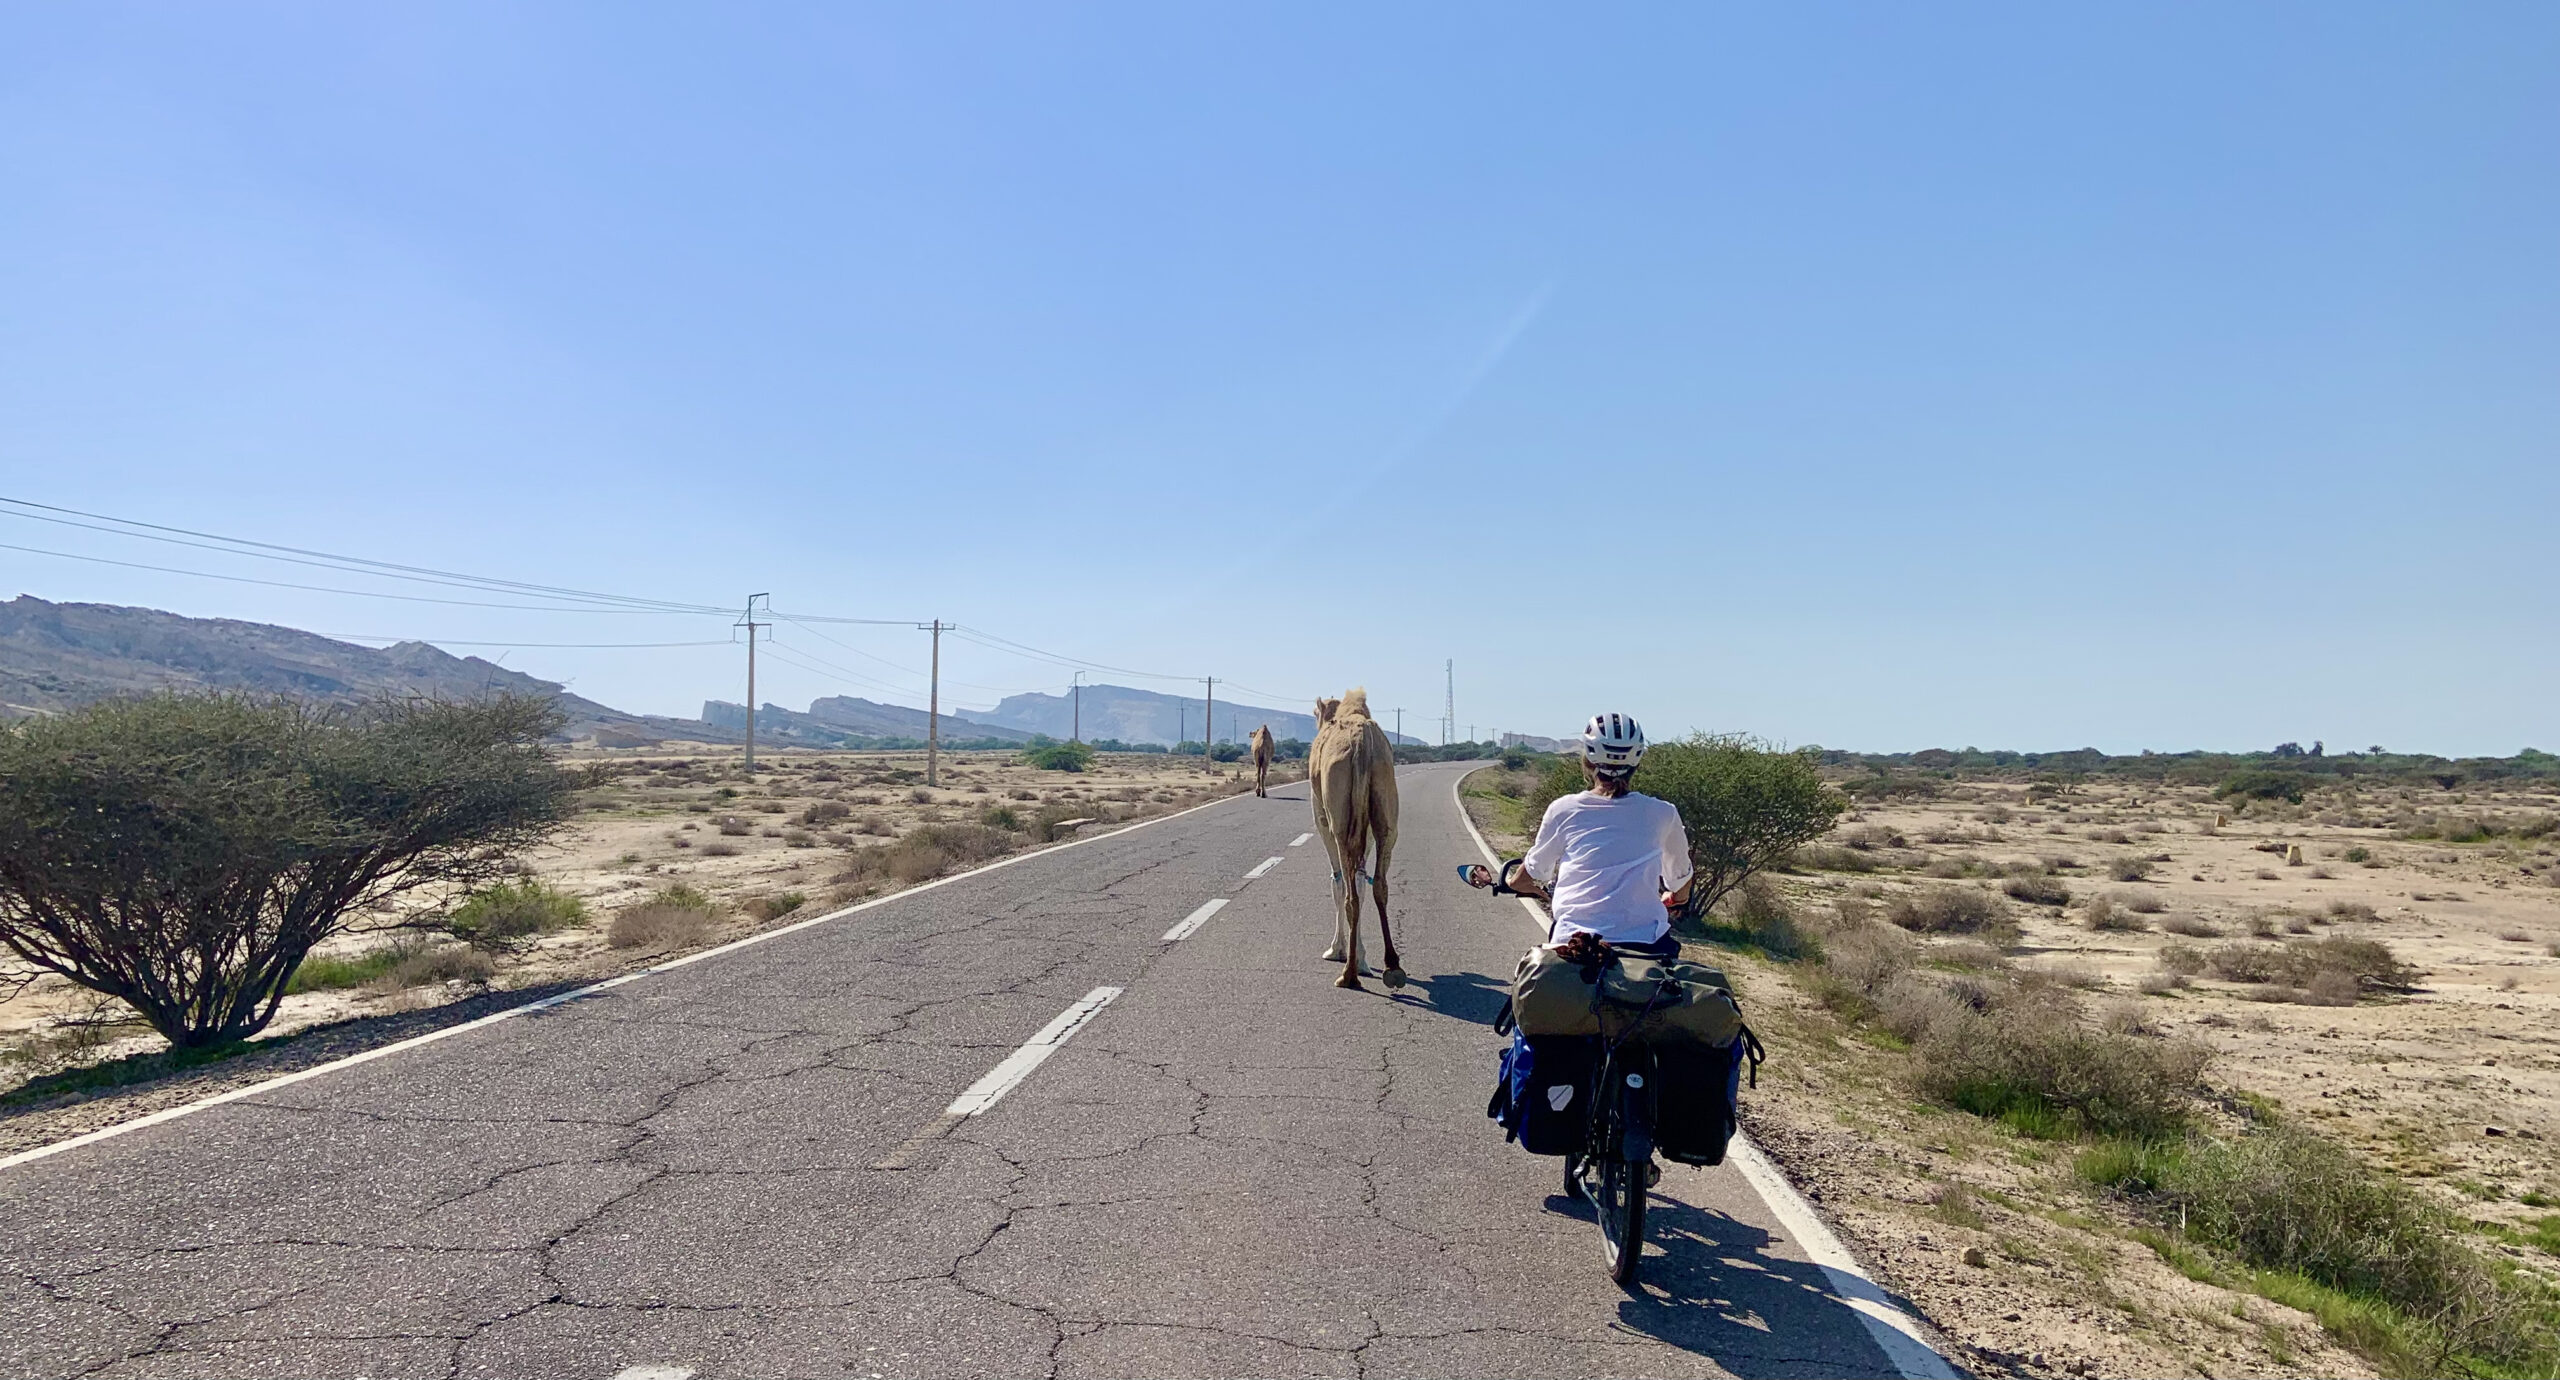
(1120, 713)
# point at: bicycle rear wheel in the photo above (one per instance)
(1619, 1195)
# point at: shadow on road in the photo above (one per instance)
(1711, 1285)
(1470, 997)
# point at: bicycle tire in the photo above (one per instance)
(1620, 1207)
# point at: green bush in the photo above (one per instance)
(1745, 806)
(1060, 756)
(1001, 817)
(331, 972)
(508, 917)
(183, 853)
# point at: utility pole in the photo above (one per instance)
(1399, 723)
(748, 622)
(1209, 724)
(1449, 705)
(1181, 725)
(933, 714)
(1076, 735)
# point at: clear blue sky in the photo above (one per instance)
(1881, 376)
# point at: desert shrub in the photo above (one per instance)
(799, 838)
(1755, 914)
(1874, 836)
(1825, 857)
(2262, 785)
(2328, 967)
(774, 907)
(428, 966)
(1744, 806)
(508, 917)
(824, 813)
(2349, 910)
(2130, 869)
(1001, 817)
(674, 917)
(183, 853)
(733, 826)
(2105, 914)
(1046, 824)
(2160, 983)
(2242, 963)
(1946, 910)
(1858, 964)
(2140, 902)
(2358, 854)
(1071, 757)
(2184, 959)
(2038, 890)
(2192, 927)
(2037, 1066)
(2283, 1199)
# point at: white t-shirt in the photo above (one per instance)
(1608, 862)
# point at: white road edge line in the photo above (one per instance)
(1300, 839)
(1194, 921)
(1008, 1075)
(563, 998)
(1896, 1333)
(1261, 867)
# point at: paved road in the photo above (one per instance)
(744, 1167)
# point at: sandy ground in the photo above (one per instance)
(2452, 1085)
(658, 818)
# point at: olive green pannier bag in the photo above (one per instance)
(1553, 995)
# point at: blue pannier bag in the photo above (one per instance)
(1542, 1092)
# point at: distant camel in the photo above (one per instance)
(1351, 774)
(1262, 760)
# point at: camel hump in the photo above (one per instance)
(1355, 703)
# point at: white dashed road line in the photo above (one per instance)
(1193, 921)
(1261, 867)
(1302, 838)
(1004, 1077)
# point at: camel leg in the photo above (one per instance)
(1332, 849)
(1348, 894)
(1394, 973)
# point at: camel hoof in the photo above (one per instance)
(1334, 954)
(1347, 980)
(1394, 977)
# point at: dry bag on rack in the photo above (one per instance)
(1542, 1093)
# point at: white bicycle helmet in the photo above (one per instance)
(1613, 742)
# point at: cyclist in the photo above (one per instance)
(1608, 862)
(1611, 865)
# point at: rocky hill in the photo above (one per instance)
(838, 719)
(1141, 716)
(59, 656)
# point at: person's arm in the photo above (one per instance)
(1678, 874)
(1544, 856)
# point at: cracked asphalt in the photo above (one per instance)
(1234, 1169)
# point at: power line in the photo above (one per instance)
(394, 570)
(994, 643)
(320, 589)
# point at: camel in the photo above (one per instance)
(1351, 775)
(1262, 760)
